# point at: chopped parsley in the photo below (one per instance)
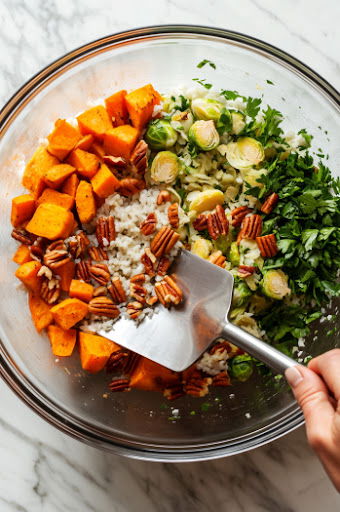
(204, 62)
(270, 82)
(203, 82)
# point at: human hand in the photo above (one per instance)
(317, 390)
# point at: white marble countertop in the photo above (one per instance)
(42, 469)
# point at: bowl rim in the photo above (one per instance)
(38, 401)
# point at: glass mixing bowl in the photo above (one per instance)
(139, 424)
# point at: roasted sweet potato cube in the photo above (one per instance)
(140, 104)
(95, 121)
(52, 196)
(63, 139)
(87, 164)
(70, 185)
(116, 108)
(104, 183)
(22, 209)
(98, 149)
(69, 312)
(95, 351)
(121, 140)
(40, 311)
(57, 174)
(28, 274)
(85, 142)
(22, 255)
(66, 273)
(62, 340)
(81, 290)
(36, 168)
(85, 202)
(152, 376)
(51, 221)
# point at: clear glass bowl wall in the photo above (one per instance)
(137, 424)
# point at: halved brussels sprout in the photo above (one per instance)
(223, 243)
(182, 120)
(275, 284)
(258, 303)
(201, 247)
(251, 177)
(238, 120)
(245, 152)
(234, 255)
(206, 109)
(206, 200)
(160, 134)
(204, 135)
(241, 294)
(241, 367)
(165, 167)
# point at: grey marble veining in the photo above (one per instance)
(42, 469)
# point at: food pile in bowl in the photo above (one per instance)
(114, 194)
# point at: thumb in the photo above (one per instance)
(312, 395)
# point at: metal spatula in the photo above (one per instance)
(177, 337)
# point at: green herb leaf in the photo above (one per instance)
(202, 81)
(204, 62)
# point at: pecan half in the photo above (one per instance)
(220, 346)
(38, 248)
(163, 197)
(168, 292)
(267, 245)
(148, 225)
(197, 385)
(139, 158)
(117, 291)
(130, 186)
(115, 161)
(151, 301)
(148, 260)
(116, 360)
(217, 258)
(134, 309)
(270, 203)
(78, 247)
(173, 392)
(97, 253)
(217, 222)
(83, 271)
(201, 222)
(138, 292)
(103, 306)
(105, 231)
(119, 385)
(138, 278)
(131, 363)
(56, 255)
(99, 290)
(164, 241)
(99, 272)
(221, 379)
(50, 290)
(244, 271)
(163, 266)
(251, 227)
(173, 215)
(22, 236)
(238, 215)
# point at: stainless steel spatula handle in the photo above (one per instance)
(275, 359)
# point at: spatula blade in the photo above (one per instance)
(175, 338)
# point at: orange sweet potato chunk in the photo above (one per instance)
(95, 121)
(87, 164)
(81, 290)
(52, 196)
(116, 108)
(69, 312)
(28, 274)
(70, 185)
(152, 376)
(22, 255)
(40, 311)
(63, 139)
(85, 202)
(57, 174)
(140, 104)
(104, 183)
(62, 340)
(36, 168)
(95, 351)
(22, 209)
(121, 140)
(66, 273)
(98, 149)
(51, 221)
(85, 142)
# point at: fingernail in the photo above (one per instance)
(293, 376)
